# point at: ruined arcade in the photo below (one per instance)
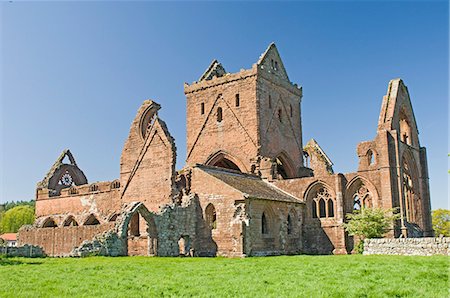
(250, 186)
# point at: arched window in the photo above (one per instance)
(322, 208)
(264, 224)
(322, 204)
(115, 184)
(330, 208)
(289, 224)
(202, 108)
(370, 157)
(356, 203)
(70, 222)
(307, 159)
(237, 100)
(405, 129)
(362, 198)
(93, 187)
(211, 216)
(219, 114)
(49, 223)
(280, 169)
(73, 191)
(91, 221)
(314, 209)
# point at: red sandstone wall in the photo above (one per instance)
(148, 163)
(277, 135)
(277, 241)
(237, 134)
(228, 234)
(102, 203)
(61, 240)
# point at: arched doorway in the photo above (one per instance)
(138, 230)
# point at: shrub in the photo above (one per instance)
(369, 223)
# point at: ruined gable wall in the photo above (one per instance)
(227, 237)
(237, 133)
(148, 160)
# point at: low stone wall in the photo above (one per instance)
(29, 251)
(407, 246)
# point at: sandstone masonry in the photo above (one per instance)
(250, 186)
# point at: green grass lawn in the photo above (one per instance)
(294, 276)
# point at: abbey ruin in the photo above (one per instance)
(250, 186)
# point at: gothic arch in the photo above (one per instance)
(320, 200)
(91, 220)
(223, 159)
(147, 119)
(410, 183)
(138, 208)
(268, 221)
(211, 216)
(70, 221)
(49, 222)
(285, 167)
(364, 189)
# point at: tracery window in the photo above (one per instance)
(323, 204)
(408, 189)
(362, 198)
(66, 179)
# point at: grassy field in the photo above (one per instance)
(294, 276)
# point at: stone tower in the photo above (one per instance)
(248, 121)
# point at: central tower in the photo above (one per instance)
(248, 121)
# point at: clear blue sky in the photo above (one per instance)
(74, 74)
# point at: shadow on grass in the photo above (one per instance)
(5, 261)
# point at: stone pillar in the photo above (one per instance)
(340, 248)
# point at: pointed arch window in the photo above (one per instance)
(362, 198)
(330, 206)
(289, 224)
(264, 224)
(322, 204)
(211, 216)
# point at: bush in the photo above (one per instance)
(369, 223)
(441, 222)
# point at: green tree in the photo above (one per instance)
(16, 217)
(441, 222)
(369, 223)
